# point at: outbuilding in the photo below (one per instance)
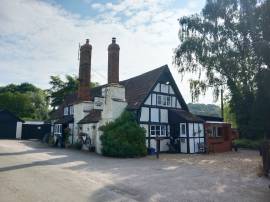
(10, 125)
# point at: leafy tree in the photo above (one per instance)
(229, 115)
(259, 28)
(261, 118)
(217, 45)
(123, 137)
(25, 100)
(60, 88)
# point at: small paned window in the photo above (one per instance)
(57, 128)
(71, 110)
(159, 100)
(158, 130)
(164, 100)
(65, 111)
(183, 129)
(214, 132)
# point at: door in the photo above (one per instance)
(8, 130)
(183, 137)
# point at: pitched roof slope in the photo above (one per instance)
(137, 89)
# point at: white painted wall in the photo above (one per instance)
(163, 144)
(148, 100)
(145, 126)
(115, 104)
(154, 99)
(19, 130)
(183, 144)
(154, 114)
(80, 111)
(163, 115)
(144, 114)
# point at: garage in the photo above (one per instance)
(10, 125)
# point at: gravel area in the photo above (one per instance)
(31, 172)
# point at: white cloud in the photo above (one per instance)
(39, 39)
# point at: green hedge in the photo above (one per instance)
(248, 143)
(123, 138)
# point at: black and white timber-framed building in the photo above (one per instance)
(153, 97)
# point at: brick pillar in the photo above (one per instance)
(113, 62)
(85, 72)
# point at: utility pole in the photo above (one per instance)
(222, 106)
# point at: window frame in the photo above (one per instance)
(66, 110)
(58, 129)
(158, 130)
(71, 110)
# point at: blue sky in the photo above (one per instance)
(40, 38)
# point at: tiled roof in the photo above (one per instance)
(94, 116)
(65, 120)
(183, 115)
(137, 88)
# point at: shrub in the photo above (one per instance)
(51, 140)
(123, 137)
(248, 143)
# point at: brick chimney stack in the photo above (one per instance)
(85, 72)
(113, 62)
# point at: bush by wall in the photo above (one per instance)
(248, 143)
(123, 137)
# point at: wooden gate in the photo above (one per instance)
(35, 131)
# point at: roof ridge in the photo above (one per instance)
(151, 71)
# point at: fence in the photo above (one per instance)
(266, 157)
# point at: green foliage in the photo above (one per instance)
(261, 107)
(221, 45)
(51, 140)
(123, 137)
(229, 115)
(248, 143)
(205, 109)
(61, 88)
(25, 100)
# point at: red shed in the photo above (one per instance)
(219, 135)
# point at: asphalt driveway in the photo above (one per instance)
(30, 171)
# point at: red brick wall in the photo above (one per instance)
(223, 143)
(113, 62)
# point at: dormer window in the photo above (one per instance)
(65, 111)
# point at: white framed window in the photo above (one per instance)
(214, 132)
(183, 130)
(65, 111)
(158, 130)
(168, 101)
(71, 110)
(58, 128)
(164, 100)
